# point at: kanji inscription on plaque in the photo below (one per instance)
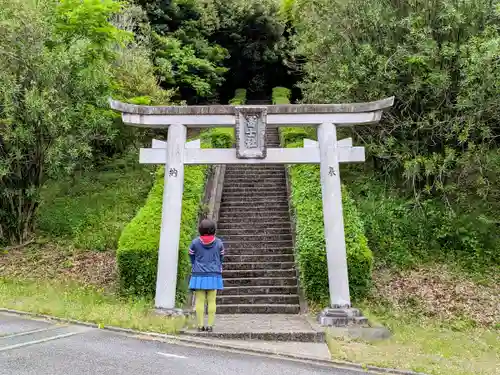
(251, 132)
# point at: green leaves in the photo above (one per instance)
(58, 67)
(178, 65)
(440, 61)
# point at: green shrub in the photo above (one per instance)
(306, 200)
(137, 254)
(219, 137)
(281, 95)
(404, 232)
(90, 211)
(240, 97)
(307, 203)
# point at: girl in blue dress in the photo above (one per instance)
(207, 255)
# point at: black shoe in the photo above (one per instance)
(209, 329)
(201, 329)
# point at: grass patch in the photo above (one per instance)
(71, 300)
(91, 210)
(423, 346)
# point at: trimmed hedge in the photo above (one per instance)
(137, 254)
(306, 201)
(240, 97)
(219, 137)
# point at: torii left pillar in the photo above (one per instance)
(171, 212)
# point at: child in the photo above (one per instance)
(207, 255)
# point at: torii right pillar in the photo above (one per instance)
(340, 312)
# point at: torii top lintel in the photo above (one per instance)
(275, 115)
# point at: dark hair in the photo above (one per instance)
(207, 227)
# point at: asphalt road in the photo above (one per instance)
(37, 347)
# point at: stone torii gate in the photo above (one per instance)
(250, 123)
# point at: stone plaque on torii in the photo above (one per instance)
(250, 123)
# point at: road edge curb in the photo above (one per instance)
(212, 344)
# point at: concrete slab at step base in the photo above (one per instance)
(263, 327)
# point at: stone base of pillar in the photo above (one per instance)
(172, 312)
(341, 317)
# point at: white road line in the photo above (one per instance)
(171, 355)
(5, 348)
(29, 332)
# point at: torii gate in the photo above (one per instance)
(250, 124)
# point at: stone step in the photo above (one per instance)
(247, 169)
(255, 172)
(245, 220)
(258, 189)
(258, 273)
(256, 185)
(258, 309)
(255, 290)
(258, 258)
(252, 173)
(263, 299)
(261, 281)
(258, 251)
(237, 266)
(254, 168)
(254, 196)
(238, 203)
(253, 231)
(236, 210)
(283, 244)
(233, 215)
(309, 336)
(258, 197)
(254, 200)
(263, 237)
(222, 226)
(253, 179)
(246, 211)
(256, 206)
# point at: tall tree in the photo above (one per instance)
(57, 71)
(438, 58)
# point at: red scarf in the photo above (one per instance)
(206, 240)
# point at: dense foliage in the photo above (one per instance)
(215, 46)
(57, 69)
(438, 146)
(307, 204)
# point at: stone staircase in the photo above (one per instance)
(254, 223)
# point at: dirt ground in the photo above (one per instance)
(440, 293)
(49, 261)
